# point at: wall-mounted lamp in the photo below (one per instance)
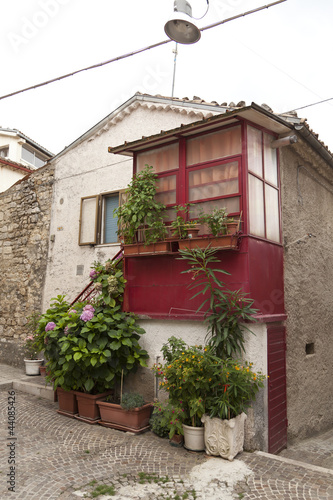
(181, 27)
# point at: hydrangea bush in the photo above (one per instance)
(89, 344)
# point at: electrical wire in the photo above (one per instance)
(308, 105)
(129, 54)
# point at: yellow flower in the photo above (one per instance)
(193, 357)
(209, 380)
(236, 367)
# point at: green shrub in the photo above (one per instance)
(130, 401)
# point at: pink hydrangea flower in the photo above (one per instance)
(50, 326)
(93, 274)
(72, 311)
(87, 315)
(89, 307)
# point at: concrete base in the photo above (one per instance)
(35, 388)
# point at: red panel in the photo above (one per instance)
(277, 394)
(266, 276)
(156, 286)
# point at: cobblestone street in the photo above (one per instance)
(61, 458)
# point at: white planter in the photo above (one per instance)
(194, 438)
(32, 366)
(224, 438)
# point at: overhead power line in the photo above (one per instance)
(308, 105)
(138, 51)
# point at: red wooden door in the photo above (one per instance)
(277, 391)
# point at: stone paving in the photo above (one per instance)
(61, 458)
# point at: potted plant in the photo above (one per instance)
(32, 359)
(140, 217)
(167, 422)
(221, 235)
(90, 344)
(181, 227)
(233, 389)
(225, 311)
(187, 378)
(215, 220)
(233, 383)
(131, 413)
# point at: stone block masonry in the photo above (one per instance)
(25, 211)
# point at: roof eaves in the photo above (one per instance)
(128, 148)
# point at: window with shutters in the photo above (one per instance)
(98, 226)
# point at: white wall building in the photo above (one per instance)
(19, 155)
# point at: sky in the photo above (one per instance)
(280, 56)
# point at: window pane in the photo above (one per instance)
(39, 162)
(28, 155)
(272, 213)
(256, 206)
(211, 182)
(254, 150)
(88, 220)
(109, 230)
(162, 159)
(230, 204)
(220, 144)
(270, 157)
(166, 190)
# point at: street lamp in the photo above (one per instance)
(180, 26)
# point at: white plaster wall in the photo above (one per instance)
(8, 177)
(88, 169)
(193, 333)
(15, 146)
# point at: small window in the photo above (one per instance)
(98, 225)
(4, 152)
(32, 157)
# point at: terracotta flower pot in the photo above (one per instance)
(67, 402)
(87, 407)
(114, 416)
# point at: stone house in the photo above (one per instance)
(273, 173)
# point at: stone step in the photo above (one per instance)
(34, 385)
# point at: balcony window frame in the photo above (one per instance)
(183, 170)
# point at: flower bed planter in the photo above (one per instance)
(227, 241)
(224, 438)
(142, 249)
(114, 416)
(88, 410)
(67, 402)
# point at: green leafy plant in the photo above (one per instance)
(173, 348)
(91, 345)
(215, 220)
(199, 382)
(159, 425)
(130, 401)
(167, 420)
(141, 210)
(225, 311)
(181, 225)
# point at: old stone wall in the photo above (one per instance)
(307, 215)
(24, 235)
